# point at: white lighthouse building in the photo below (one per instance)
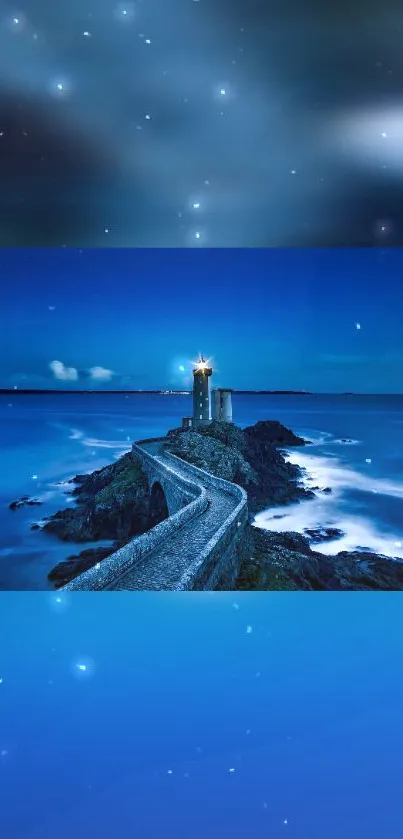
(201, 393)
(208, 405)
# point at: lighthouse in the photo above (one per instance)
(202, 372)
(208, 405)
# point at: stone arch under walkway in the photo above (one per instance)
(158, 504)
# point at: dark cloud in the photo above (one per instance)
(115, 130)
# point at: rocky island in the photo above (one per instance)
(113, 504)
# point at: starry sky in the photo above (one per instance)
(198, 123)
(326, 320)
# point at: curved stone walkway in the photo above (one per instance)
(163, 568)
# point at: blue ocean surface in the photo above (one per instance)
(357, 451)
(157, 715)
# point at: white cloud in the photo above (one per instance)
(65, 374)
(100, 374)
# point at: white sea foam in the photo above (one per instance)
(315, 438)
(76, 434)
(347, 442)
(323, 511)
(94, 443)
(330, 472)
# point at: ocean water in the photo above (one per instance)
(201, 715)
(45, 440)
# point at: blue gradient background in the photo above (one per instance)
(177, 682)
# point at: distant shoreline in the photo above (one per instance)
(159, 392)
(162, 392)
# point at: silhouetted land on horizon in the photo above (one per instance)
(166, 392)
(159, 391)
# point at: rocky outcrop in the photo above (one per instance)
(250, 458)
(72, 567)
(112, 504)
(285, 561)
(323, 534)
(272, 431)
(24, 501)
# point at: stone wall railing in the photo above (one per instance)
(203, 568)
(206, 565)
(101, 576)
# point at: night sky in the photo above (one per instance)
(329, 320)
(171, 123)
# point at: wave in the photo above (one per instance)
(95, 443)
(328, 471)
(315, 437)
(347, 442)
(76, 434)
(323, 511)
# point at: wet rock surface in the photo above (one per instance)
(323, 534)
(249, 457)
(24, 501)
(112, 504)
(66, 570)
(285, 561)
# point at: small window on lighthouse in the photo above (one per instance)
(201, 416)
(201, 405)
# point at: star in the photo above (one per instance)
(125, 12)
(59, 88)
(17, 23)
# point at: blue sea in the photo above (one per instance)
(151, 716)
(356, 450)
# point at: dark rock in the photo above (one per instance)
(75, 565)
(113, 503)
(24, 501)
(285, 561)
(327, 490)
(323, 534)
(35, 527)
(271, 431)
(246, 458)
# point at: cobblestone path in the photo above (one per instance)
(163, 568)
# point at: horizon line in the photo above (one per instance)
(183, 392)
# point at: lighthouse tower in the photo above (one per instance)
(201, 393)
(221, 404)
